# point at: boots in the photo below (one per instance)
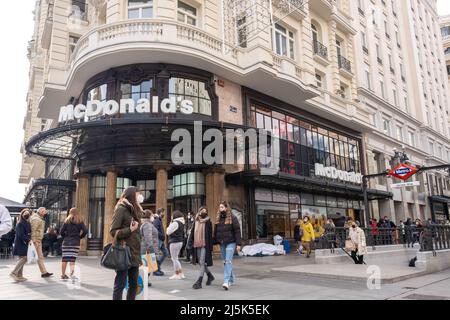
(210, 278)
(198, 284)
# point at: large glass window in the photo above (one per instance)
(148, 189)
(192, 90)
(140, 9)
(137, 91)
(187, 14)
(98, 93)
(122, 184)
(284, 41)
(187, 184)
(96, 206)
(302, 144)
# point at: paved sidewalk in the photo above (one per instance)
(255, 281)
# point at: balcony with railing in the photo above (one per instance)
(172, 42)
(345, 64)
(320, 50)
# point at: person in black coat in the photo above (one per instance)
(21, 242)
(201, 242)
(227, 234)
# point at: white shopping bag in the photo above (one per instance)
(142, 286)
(32, 256)
(277, 240)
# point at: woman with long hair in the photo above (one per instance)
(72, 231)
(125, 222)
(175, 231)
(201, 241)
(149, 236)
(228, 235)
(21, 243)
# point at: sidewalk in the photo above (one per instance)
(257, 279)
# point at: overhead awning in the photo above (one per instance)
(440, 198)
(46, 192)
(305, 184)
(64, 142)
(11, 205)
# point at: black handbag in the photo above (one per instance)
(117, 256)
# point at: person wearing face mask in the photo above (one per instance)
(358, 239)
(149, 236)
(125, 224)
(175, 231)
(21, 243)
(201, 241)
(227, 234)
(37, 222)
(308, 235)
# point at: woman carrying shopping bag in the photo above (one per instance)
(21, 244)
(201, 241)
(149, 242)
(125, 227)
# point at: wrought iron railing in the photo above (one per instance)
(344, 63)
(320, 49)
(428, 238)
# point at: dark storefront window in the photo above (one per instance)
(122, 184)
(96, 207)
(303, 144)
(277, 211)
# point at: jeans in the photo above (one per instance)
(120, 281)
(18, 270)
(175, 249)
(165, 253)
(38, 246)
(227, 251)
(357, 259)
(201, 256)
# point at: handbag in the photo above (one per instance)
(349, 245)
(117, 257)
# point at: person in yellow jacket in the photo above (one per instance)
(308, 235)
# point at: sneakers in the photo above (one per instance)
(64, 277)
(46, 275)
(22, 278)
(226, 286)
(175, 277)
(182, 276)
(15, 277)
(158, 273)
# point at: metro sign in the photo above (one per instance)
(403, 171)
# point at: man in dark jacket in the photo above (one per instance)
(158, 223)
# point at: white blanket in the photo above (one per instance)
(262, 248)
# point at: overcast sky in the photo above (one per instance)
(15, 34)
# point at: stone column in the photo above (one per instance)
(82, 203)
(161, 188)
(110, 203)
(215, 185)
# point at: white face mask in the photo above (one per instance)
(140, 198)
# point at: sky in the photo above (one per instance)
(14, 67)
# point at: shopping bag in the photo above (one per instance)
(32, 256)
(142, 285)
(149, 261)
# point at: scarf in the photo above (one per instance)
(199, 232)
